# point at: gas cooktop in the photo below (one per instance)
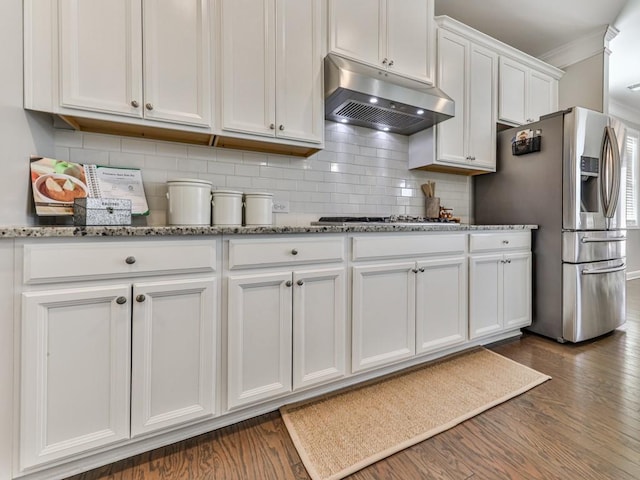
(391, 220)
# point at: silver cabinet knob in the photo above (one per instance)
(505, 242)
(272, 126)
(289, 283)
(300, 282)
(149, 106)
(508, 260)
(421, 269)
(140, 298)
(121, 300)
(294, 252)
(391, 63)
(414, 270)
(130, 260)
(135, 104)
(281, 127)
(385, 61)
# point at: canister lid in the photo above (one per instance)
(190, 181)
(258, 194)
(230, 193)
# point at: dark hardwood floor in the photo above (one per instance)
(583, 424)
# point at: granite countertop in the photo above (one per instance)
(70, 231)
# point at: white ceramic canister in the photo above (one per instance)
(227, 208)
(258, 208)
(189, 202)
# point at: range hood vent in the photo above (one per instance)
(401, 105)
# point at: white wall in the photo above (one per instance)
(583, 84)
(22, 134)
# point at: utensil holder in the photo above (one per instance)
(432, 207)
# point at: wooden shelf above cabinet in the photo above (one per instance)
(141, 131)
(265, 147)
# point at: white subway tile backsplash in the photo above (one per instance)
(359, 172)
(96, 141)
(121, 159)
(134, 145)
(68, 138)
(82, 155)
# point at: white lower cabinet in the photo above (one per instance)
(410, 306)
(173, 331)
(106, 361)
(285, 331)
(441, 303)
(285, 328)
(383, 314)
(500, 285)
(75, 371)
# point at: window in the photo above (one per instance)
(631, 175)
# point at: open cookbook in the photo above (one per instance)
(57, 183)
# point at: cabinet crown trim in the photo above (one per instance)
(501, 48)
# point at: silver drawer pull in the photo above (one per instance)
(130, 260)
(294, 252)
(596, 271)
(505, 242)
(602, 240)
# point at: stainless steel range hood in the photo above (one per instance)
(401, 105)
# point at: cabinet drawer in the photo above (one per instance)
(380, 246)
(54, 262)
(268, 252)
(483, 242)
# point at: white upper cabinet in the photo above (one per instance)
(136, 59)
(398, 36)
(101, 56)
(525, 93)
(177, 59)
(468, 73)
(271, 69)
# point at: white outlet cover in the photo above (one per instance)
(280, 206)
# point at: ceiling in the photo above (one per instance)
(539, 27)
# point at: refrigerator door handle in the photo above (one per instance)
(611, 171)
(596, 271)
(602, 240)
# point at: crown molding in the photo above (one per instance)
(585, 47)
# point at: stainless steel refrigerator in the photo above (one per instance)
(563, 173)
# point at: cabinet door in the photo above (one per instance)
(410, 38)
(101, 55)
(441, 304)
(259, 337)
(75, 371)
(173, 355)
(482, 106)
(354, 29)
(513, 92)
(248, 66)
(177, 79)
(319, 322)
(517, 290)
(383, 319)
(452, 78)
(299, 96)
(543, 95)
(485, 295)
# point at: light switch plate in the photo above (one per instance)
(280, 206)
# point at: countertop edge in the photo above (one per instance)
(155, 231)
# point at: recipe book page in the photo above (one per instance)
(56, 183)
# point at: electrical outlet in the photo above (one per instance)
(280, 206)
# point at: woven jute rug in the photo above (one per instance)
(341, 433)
